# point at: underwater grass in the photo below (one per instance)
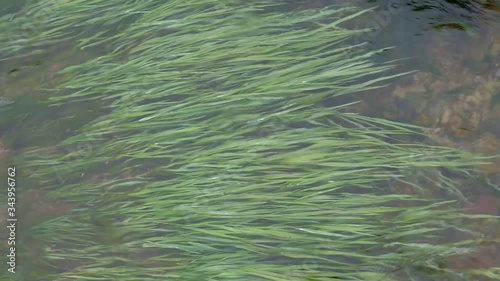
(219, 160)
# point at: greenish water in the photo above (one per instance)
(182, 184)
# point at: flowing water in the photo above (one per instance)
(455, 45)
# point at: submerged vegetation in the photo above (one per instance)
(218, 154)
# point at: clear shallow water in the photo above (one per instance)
(455, 46)
(442, 53)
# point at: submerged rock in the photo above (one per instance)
(454, 101)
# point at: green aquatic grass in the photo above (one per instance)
(219, 158)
